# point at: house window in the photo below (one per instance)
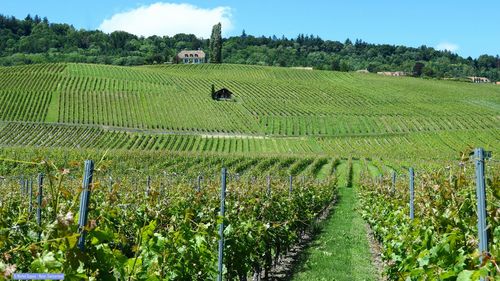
(196, 55)
(195, 60)
(186, 60)
(191, 55)
(186, 55)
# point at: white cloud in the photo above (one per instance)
(169, 19)
(446, 46)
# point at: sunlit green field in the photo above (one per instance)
(273, 110)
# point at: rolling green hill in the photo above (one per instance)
(274, 110)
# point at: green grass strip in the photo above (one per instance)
(341, 250)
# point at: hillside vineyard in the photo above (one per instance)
(138, 173)
(273, 110)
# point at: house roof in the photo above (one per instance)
(191, 53)
(223, 93)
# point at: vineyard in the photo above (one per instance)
(398, 146)
(441, 242)
(163, 226)
(161, 220)
(272, 108)
(293, 141)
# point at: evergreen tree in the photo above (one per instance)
(418, 69)
(216, 44)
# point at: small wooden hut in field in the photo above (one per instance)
(222, 94)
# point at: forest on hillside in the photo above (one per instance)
(36, 40)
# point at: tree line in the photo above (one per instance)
(36, 40)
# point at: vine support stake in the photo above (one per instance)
(111, 184)
(148, 186)
(39, 204)
(21, 185)
(198, 186)
(268, 192)
(393, 187)
(291, 185)
(84, 202)
(479, 156)
(412, 193)
(221, 227)
(30, 194)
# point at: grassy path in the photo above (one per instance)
(341, 251)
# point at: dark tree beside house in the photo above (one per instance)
(335, 64)
(216, 44)
(418, 69)
(373, 67)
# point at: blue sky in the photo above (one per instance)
(470, 28)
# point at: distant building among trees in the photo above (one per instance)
(189, 56)
(475, 79)
(392, 73)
